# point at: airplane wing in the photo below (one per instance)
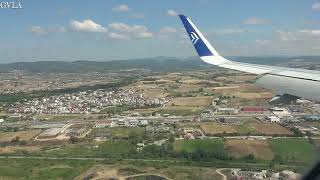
(298, 82)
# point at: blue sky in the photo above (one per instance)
(110, 30)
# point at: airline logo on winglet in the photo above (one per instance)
(200, 43)
(194, 37)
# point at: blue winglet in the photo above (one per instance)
(195, 37)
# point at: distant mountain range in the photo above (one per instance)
(154, 64)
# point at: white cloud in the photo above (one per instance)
(137, 15)
(86, 25)
(172, 12)
(37, 30)
(114, 35)
(131, 31)
(119, 26)
(301, 35)
(144, 35)
(121, 8)
(167, 30)
(255, 21)
(316, 6)
(228, 31)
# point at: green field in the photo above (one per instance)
(3, 113)
(207, 145)
(299, 150)
(121, 132)
(109, 149)
(245, 128)
(41, 169)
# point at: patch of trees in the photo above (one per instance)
(166, 151)
(296, 132)
(14, 141)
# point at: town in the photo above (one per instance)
(168, 116)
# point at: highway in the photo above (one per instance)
(151, 118)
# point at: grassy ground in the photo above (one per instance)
(181, 110)
(245, 128)
(299, 150)
(120, 170)
(121, 132)
(112, 149)
(241, 148)
(215, 128)
(270, 129)
(3, 113)
(192, 101)
(144, 112)
(23, 135)
(208, 145)
(61, 117)
(41, 169)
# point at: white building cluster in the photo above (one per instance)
(86, 102)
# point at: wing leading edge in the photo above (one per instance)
(298, 82)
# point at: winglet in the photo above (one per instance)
(204, 49)
(202, 46)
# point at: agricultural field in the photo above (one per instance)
(155, 93)
(260, 95)
(215, 128)
(237, 79)
(294, 150)
(120, 132)
(137, 172)
(144, 112)
(3, 113)
(42, 169)
(245, 91)
(207, 145)
(241, 148)
(23, 135)
(244, 127)
(270, 129)
(185, 88)
(14, 149)
(181, 110)
(192, 101)
(108, 149)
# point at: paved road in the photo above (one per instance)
(224, 177)
(180, 118)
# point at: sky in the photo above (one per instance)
(102, 30)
